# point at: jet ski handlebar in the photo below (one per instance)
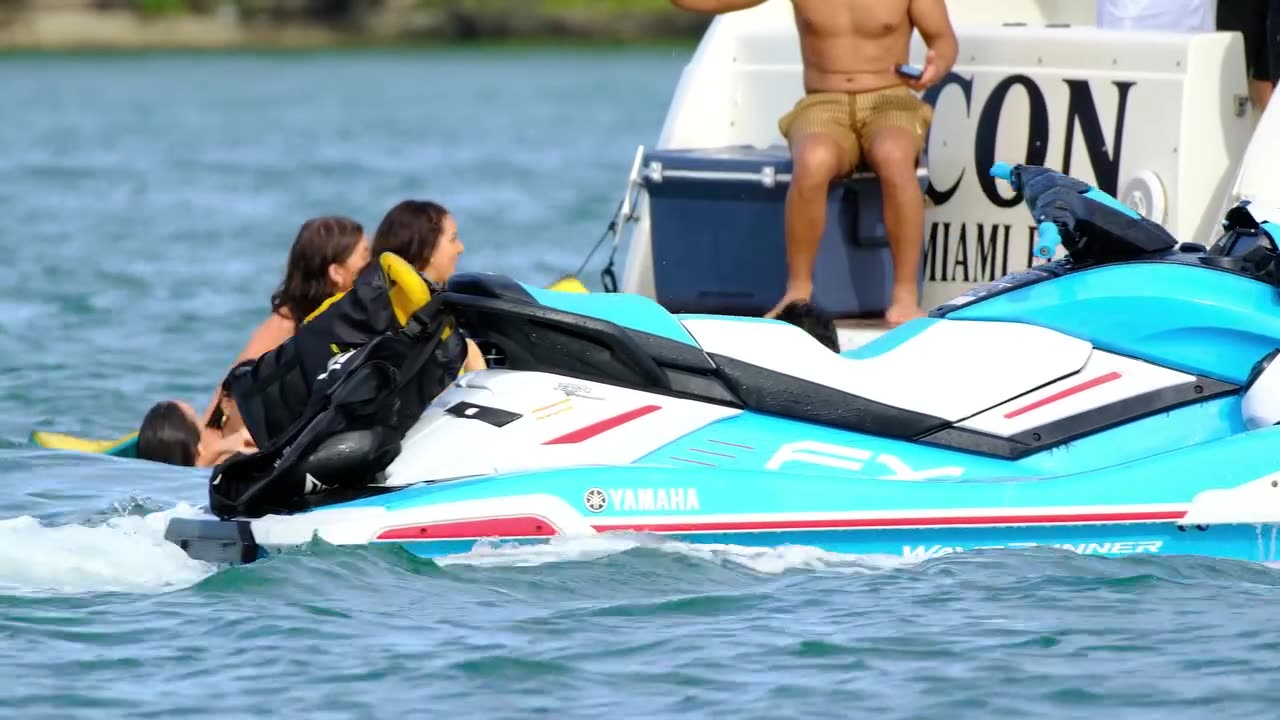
(1092, 225)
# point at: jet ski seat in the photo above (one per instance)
(522, 334)
(931, 374)
(763, 365)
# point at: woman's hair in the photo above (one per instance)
(321, 242)
(411, 230)
(167, 435)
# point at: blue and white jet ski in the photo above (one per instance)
(1118, 401)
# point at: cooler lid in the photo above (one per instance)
(731, 162)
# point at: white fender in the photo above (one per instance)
(1261, 402)
(1258, 176)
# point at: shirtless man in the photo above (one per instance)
(856, 107)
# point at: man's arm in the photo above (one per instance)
(930, 18)
(716, 6)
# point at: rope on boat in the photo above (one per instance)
(607, 276)
(625, 212)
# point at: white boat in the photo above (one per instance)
(1159, 119)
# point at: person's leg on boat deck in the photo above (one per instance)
(1267, 85)
(892, 153)
(1251, 18)
(823, 147)
(892, 124)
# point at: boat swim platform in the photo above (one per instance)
(855, 332)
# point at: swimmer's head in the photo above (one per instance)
(170, 433)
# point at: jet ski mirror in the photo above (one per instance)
(1094, 227)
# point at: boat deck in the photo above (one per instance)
(858, 331)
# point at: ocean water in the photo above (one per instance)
(147, 203)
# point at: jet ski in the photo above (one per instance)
(1119, 400)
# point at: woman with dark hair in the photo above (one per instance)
(327, 255)
(425, 234)
(169, 434)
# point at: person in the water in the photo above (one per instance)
(334, 249)
(171, 433)
(327, 255)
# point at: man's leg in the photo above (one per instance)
(1260, 94)
(1263, 84)
(817, 159)
(1251, 19)
(892, 152)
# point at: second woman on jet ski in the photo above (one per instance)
(426, 235)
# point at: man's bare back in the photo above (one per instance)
(852, 45)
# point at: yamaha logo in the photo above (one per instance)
(595, 500)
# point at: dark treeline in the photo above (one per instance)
(403, 20)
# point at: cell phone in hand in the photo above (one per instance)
(910, 71)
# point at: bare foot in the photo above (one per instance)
(899, 313)
(796, 295)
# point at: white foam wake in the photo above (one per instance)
(124, 554)
(768, 560)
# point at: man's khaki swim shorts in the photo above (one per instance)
(852, 118)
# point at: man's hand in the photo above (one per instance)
(930, 76)
(930, 18)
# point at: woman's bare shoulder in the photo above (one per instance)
(270, 333)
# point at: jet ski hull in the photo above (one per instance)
(1159, 506)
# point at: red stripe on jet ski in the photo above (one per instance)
(502, 527)
(1068, 392)
(837, 523)
(595, 428)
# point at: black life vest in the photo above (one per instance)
(273, 393)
